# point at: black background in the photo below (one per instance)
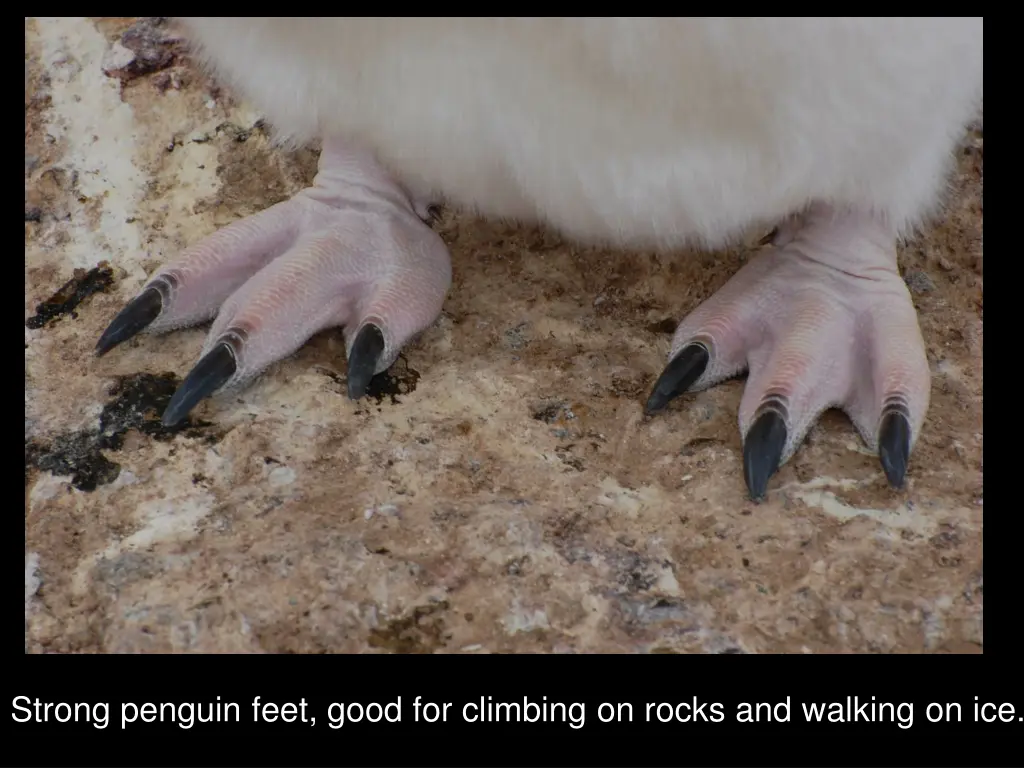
(994, 676)
(592, 679)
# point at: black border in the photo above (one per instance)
(590, 678)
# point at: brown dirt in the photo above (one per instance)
(511, 497)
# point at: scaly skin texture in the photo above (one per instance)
(821, 319)
(499, 524)
(631, 131)
(349, 251)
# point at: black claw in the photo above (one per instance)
(762, 451)
(209, 375)
(894, 447)
(140, 312)
(362, 361)
(679, 375)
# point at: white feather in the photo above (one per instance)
(639, 132)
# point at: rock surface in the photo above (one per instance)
(502, 492)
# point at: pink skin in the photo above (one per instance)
(822, 319)
(351, 249)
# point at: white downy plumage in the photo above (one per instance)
(639, 132)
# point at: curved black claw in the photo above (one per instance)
(679, 375)
(362, 361)
(209, 375)
(762, 450)
(140, 312)
(894, 447)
